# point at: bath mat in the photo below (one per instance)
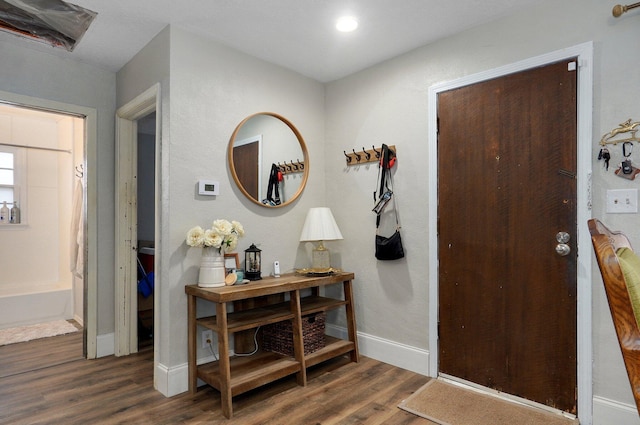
(41, 330)
(448, 404)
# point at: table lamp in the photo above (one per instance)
(320, 226)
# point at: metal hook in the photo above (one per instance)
(295, 166)
(301, 164)
(378, 152)
(348, 157)
(366, 154)
(356, 154)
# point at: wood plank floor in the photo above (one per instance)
(38, 385)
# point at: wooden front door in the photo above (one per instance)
(245, 162)
(506, 186)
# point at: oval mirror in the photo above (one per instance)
(260, 146)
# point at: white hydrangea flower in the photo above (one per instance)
(222, 227)
(211, 238)
(239, 230)
(195, 237)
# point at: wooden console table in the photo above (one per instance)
(233, 375)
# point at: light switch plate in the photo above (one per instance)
(622, 201)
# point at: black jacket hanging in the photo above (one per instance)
(273, 188)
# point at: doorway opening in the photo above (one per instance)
(146, 171)
(137, 244)
(46, 174)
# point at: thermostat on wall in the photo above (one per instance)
(208, 187)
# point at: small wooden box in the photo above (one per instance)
(278, 337)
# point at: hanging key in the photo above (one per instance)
(604, 154)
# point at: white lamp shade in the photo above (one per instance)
(320, 226)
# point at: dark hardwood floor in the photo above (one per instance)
(41, 384)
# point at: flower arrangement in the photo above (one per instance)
(223, 235)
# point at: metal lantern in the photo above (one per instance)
(252, 263)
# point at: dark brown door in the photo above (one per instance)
(245, 161)
(506, 187)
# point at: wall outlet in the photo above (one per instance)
(207, 336)
(622, 201)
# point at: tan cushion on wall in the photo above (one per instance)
(630, 265)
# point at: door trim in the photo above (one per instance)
(584, 53)
(126, 222)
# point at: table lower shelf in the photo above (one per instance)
(249, 372)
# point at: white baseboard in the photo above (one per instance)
(170, 381)
(105, 345)
(611, 412)
(384, 350)
(78, 319)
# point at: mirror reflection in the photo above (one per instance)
(268, 159)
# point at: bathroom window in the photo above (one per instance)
(12, 176)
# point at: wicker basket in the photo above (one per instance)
(278, 337)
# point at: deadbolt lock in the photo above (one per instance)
(562, 237)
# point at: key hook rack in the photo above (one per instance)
(628, 126)
(366, 155)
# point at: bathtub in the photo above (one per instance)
(35, 303)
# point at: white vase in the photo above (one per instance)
(211, 268)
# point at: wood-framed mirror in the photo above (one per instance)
(260, 141)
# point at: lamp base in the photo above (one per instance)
(320, 258)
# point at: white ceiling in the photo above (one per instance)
(296, 34)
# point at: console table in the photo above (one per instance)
(233, 375)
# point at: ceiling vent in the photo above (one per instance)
(54, 22)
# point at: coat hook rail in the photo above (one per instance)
(628, 126)
(365, 155)
(290, 167)
(619, 9)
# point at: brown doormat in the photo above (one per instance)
(449, 404)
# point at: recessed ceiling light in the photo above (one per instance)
(347, 24)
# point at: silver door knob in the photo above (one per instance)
(563, 249)
(563, 237)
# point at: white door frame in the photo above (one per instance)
(90, 276)
(126, 223)
(584, 53)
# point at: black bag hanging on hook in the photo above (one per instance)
(387, 248)
(274, 181)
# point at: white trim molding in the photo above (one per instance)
(609, 412)
(170, 381)
(105, 345)
(387, 351)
